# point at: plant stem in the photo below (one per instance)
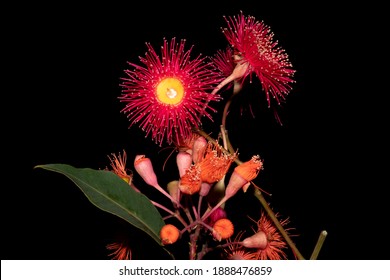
(177, 216)
(193, 242)
(225, 110)
(174, 201)
(319, 244)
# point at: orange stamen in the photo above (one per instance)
(250, 169)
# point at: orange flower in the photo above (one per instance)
(118, 165)
(250, 169)
(215, 163)
(121, 250)
(222, 229)
(270, 243)
(190, 182)
(169, 234)
(242, 175)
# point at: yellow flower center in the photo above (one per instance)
(170, 91)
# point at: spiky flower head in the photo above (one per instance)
(169, 94)
(224, 61)
(256, 52)
(272, 243)
(215, 163)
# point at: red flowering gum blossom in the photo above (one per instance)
(169, 93)
(256, 52)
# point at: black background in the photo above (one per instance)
(65, 62)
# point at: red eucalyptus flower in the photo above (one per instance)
(168, 95)
(255, 52)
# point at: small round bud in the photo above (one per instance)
(169, 234)
(222, 229)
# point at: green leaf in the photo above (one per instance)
(110, 193)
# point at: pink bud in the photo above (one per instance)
(204, 189)
(236, 182)
(144, 168)
(217, 214)
(198, 148)
(258, 240)
(184, 161)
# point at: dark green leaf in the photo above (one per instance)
(110, 193)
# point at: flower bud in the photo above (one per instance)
(204, 189)
(236, 182)
(184, 161)
(216, 215)
(144, 168)
(169, 234)
(258, 240)
(198, 148)
(222, 229)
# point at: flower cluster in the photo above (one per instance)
(168, 94)
(200, 167)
